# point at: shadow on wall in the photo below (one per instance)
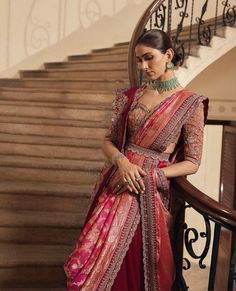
(67, 27)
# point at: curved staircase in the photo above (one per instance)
(52, 122)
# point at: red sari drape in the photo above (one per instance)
(115, 223)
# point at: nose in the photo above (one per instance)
(143, 65)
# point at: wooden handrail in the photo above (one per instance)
(203, 203)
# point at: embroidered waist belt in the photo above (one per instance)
(147, 152)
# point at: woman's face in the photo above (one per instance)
(152, 61)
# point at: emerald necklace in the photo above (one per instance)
(166, 85)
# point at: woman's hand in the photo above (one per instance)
(129, 177)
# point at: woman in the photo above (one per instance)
(156, 134)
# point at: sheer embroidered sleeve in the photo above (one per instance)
(117, 110)
(193, 135)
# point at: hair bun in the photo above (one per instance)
(177, 58)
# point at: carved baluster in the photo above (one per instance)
(204, 32)
(178, 45)
(160, 17)
(229, 14)
(214, 257)
(190, 28)
(169, 17)
(216, 16)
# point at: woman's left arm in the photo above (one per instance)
(193, 131)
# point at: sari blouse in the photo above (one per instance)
(190, 134)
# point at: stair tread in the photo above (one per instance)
(112, 48)
(38, 218)
(74, 70)
(101, 124)
(56, 130)
(49, 163)
(25, 255)
(62, 83)
(88, 61)
(94, 54)
(59, 96)
(55, 90)
(108, 79)
(123, 43)
(43, 188)
(42, 140)
(35, 103)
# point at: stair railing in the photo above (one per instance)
(195, 26)
(196, 23)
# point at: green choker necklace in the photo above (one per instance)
(166, 85)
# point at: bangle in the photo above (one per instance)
(115, 156)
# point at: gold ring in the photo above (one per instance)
(138, 179)
(127, 181)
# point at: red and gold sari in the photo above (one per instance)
(125, 244)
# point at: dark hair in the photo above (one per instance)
(159, 40)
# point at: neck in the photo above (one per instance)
(165, 84)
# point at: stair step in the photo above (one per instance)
(45, 189)
(44, 163)
(112, 50)
(56, 105)
(59, 96)
(42, 203)
(88, 65)
(40, 234)
(31, 218)
(50, 277)
(123, 56)
(23, 121)
(29, 109)
(124, 43)
(97, 84)
(32, 265)
(44, 140)
(29, 255)
(88, 129)
(51, 151)
(74, 172)
(73, 74)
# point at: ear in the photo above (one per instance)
(169, 54)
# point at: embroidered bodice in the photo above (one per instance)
(191, 131)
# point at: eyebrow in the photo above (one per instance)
(137, 57)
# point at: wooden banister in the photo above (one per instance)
(203, 203)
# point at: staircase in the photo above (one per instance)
(52, 122)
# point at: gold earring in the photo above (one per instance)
(169, 65)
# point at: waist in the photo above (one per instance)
(147, 152)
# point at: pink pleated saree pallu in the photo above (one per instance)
(113, 219)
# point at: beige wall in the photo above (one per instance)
(34, 31)
(37, 30)
(217, 82)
